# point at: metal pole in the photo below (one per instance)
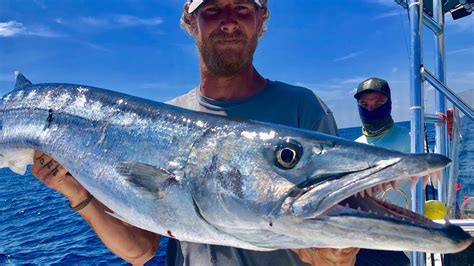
(432, 24)
(415, 9)
(450, 94)
(440, 66)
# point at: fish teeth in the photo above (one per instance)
(394, 183)
(369, 192)
(347, 205)
(359, 209)
(380, 188)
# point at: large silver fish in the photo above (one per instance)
(204, 178)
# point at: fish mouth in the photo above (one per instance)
(371, 207)
(343, 203)
(392, 227)
(316, 196)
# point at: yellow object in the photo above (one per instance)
(435, 210)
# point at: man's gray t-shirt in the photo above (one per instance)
(277, 103)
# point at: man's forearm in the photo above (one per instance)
(132, 244)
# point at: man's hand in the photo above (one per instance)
(328, 256)
(56, 177)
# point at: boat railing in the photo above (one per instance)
(418, 74)
(447, 92)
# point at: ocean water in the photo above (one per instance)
(37, 227)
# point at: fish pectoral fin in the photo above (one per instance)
(116, 216)
(146, 177)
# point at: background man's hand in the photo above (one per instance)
(328, 256)
(56, 177)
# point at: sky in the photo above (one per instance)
(137, 47)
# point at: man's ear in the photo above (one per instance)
(261, 18)
(193, 28)
(188, 21)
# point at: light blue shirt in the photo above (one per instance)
(397, 138)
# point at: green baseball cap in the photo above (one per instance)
(371, 85)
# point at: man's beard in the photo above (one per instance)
(227, 62)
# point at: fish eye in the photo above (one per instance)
(288, 153)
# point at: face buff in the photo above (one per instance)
(378, 121)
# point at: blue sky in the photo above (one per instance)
(137, 47)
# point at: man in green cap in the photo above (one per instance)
(375, 106)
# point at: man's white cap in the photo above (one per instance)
(196, 3)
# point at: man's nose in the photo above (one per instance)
(371, 107)
(229, 23)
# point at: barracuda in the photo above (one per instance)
(210, 179)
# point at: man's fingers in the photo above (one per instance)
(47, 170)
(41, 158)
(59, 171)
(56, 175)
(37, 154)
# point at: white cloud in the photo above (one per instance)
(355, 80)
(383, 2)
(468, 50)
(13, 28)
(349, 56)
(95, 22)
(40, 4)
(95, 46)
(389, 14)
(42, 31)
(132, 21)
(461, 78)
(117, 21)
(334, 89)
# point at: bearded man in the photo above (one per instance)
(226, 33)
